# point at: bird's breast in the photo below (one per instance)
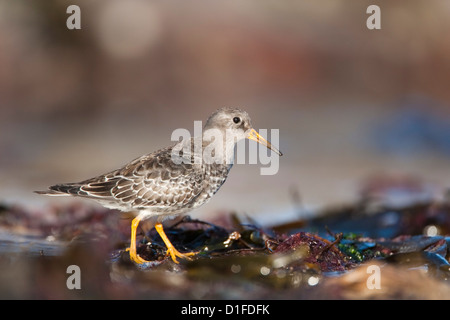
(214, 176)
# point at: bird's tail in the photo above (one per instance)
(61, 190)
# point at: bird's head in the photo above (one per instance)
(235, 124)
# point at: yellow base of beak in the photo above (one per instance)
(255, 136)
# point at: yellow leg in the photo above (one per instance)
(133, 254)
(174, 253)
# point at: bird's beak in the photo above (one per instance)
(255, 136)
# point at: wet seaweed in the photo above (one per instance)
(234, 252)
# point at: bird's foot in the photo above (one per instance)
(174, 253)
(135, 257)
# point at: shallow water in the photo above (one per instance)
(29, 245)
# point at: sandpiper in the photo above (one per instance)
(165, 184)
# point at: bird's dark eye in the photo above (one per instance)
(236, 119)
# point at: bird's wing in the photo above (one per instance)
(150, 181)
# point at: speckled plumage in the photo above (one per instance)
(152, 183)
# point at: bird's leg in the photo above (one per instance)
(174, 253)
(133, 254)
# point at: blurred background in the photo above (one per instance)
(356, 108)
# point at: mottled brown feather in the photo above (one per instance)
(152, 182)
